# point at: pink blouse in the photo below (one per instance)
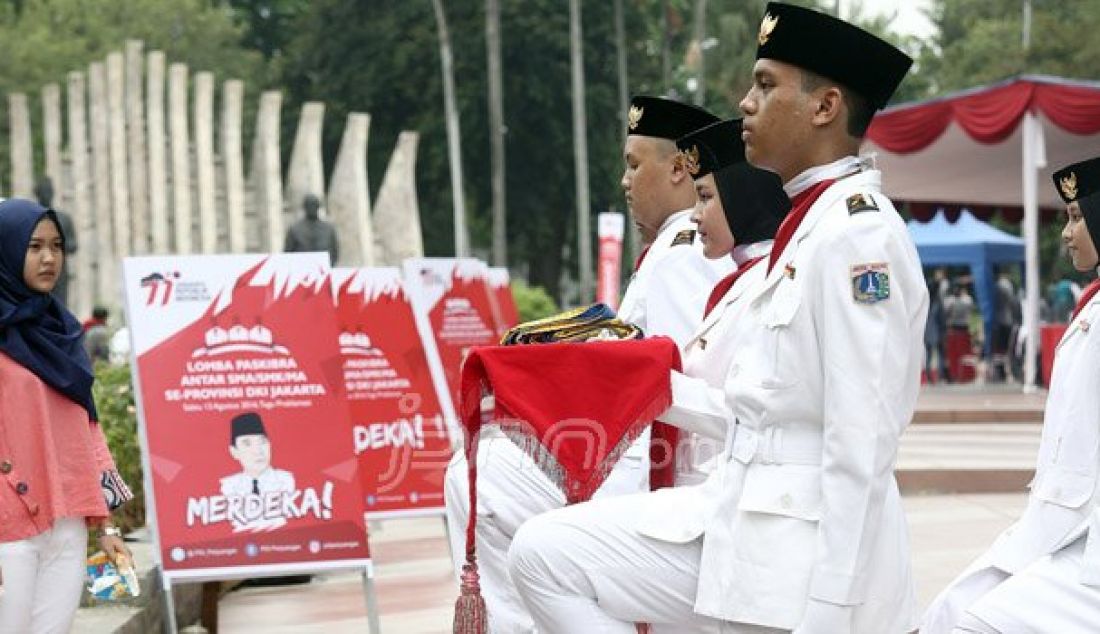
(51, 456)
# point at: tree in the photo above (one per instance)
(381, 57)
(454, 135)
(189, 31)
(496, 131)
(41, 42)
(267, 24)
(980, 42)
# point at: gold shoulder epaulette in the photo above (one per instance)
(860, 202)
(685, 236)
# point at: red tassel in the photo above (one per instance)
(470, 614)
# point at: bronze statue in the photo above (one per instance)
(311, 233)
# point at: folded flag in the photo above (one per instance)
(574, 407)
(597, 321)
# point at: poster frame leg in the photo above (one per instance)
(373, 617)
(170, 626)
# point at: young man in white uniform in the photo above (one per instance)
(1043, 573)
(800, 527)
(666, 296)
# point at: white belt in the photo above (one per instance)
(789, 443)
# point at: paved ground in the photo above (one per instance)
(965, 443)
(417, 590)
(962, 439)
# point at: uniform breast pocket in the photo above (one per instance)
(1065, 487)
(781, 362)
(787, 490)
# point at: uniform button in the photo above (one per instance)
(786, 500)
(34, 510)
(5, 467)
(21, 488)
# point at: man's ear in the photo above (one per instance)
(829, 105)
(679, 169)
(234, 452)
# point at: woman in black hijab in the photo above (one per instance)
(738, 211)
(739, 206)
(57, 477)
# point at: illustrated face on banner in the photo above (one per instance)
(232, 385)
(253, 451)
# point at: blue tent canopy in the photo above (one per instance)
(973, 243)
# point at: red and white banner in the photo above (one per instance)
(610, 256)
(451, 300)
(399, 430)
(244, 415)
(504, 304)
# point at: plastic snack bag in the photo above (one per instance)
(108, 583)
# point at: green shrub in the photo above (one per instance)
(532, 302)
(114, 399)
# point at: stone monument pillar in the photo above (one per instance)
(158, 176)
(349, 194)
(107, 273)
(266, 175)
(116, 124)
(181, 170)
(51, 136)
(233, 160)
(85, 263)
(305, 174)
(136, 148)
(204, 161)
(22, 154)
(396, 220)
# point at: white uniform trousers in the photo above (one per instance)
(948, 608)
(1046, 597)
(511, 489)
(43, 579)
(585, 568)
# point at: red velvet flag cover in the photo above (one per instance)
(574, 407)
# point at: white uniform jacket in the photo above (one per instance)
(667, 294)
(706, 361)
(1065, 502)
(824, 380)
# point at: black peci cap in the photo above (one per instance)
(832, 48)
(1078, 180)
(713, 147)
(753, 199)
(244, 425)
(665, 118)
